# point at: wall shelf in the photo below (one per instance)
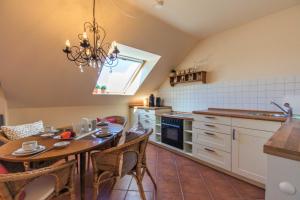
(188, 78)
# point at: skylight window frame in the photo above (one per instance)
(137, 71)
(132, 78)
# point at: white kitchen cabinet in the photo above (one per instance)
(283, 179)
(213, 156)
(248, 158)
(212, 140)
(147, 117)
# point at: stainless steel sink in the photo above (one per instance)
(266, 114)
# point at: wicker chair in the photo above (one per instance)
(3, 138)
(119, 161)
(117, 120)
(13, 185)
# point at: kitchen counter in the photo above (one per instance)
(286, 141)
(178, 115)
(247, 114)
(150, 108)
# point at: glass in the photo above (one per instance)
(120, 79)
(77, 128)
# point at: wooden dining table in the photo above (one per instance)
(80, 146)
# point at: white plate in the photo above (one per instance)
(58, 137)
(21, 152)
(47, 135)
(100, 134)
(61, 144)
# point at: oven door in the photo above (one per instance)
(172, 135)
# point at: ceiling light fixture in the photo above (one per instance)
(94, 53)
(159, 4)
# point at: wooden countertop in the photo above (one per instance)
(286, 141)
(178, 115)
(247, 114)
(150, 108)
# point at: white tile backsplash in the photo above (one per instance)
(246, 94)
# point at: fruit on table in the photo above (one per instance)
(66, 135)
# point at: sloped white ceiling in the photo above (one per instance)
(204, 17)
(34, 72)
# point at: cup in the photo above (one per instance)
(94, 124)
(105, 129)
(30, 145)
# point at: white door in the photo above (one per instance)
(248, 158)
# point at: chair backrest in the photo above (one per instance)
(117, 119)
(12, 184)
(125, 157)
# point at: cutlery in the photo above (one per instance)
(46, 150)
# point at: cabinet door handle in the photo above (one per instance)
(233, 134)
(210, 125)
(210, 150)
(209, 117)
(211, 134)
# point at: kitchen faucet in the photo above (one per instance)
(288, 112)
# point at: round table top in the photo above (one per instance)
(85, 144)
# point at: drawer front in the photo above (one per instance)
(263, 125)
(216, 140)
(212, 119)
(213, 156)
(147, 115)
(144, 111)
(212, 127)
(147, 123)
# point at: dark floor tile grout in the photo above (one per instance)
(179, 179)
(234, 189)
(206, 186)
(128, 188)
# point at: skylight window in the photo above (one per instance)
(119, 80)
(133, 67)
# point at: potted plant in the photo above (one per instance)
(97, 89)
(103, 89)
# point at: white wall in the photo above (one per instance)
(247, 66)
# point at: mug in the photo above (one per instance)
(94, 124)
(105, 129)
(30, 145)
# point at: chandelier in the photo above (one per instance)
(93, 53)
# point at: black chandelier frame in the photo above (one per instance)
(98, 54)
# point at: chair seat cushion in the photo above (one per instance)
(3, 170)
(41, 188)
(24, 130)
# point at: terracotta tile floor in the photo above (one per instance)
(179, 178)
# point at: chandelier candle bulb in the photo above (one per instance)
(68, 44)
(84, 35)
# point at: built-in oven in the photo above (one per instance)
(172, 131)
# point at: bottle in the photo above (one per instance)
(158, 102)
(151, 100)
